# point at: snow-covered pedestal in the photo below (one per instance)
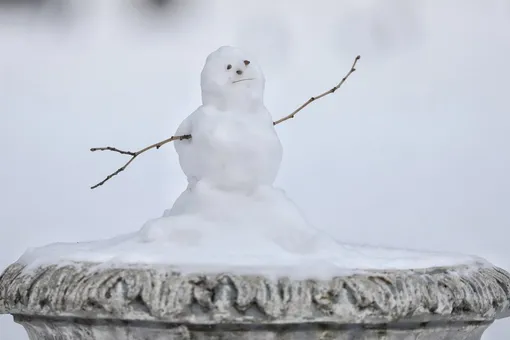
(234, 258)
(85, 301)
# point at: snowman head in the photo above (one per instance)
(230, 79)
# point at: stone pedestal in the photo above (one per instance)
(89, 301)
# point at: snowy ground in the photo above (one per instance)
(412, 152)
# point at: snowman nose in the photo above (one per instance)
(239, 72)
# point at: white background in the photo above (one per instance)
(412, 152)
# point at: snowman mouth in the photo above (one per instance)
(237, 81)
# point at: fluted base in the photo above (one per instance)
(90, 329)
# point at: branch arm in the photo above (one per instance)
(133, 155)
(312, 99)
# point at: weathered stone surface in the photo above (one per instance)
(86, 301)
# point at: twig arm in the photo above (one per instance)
(312, 99)
(133, 155)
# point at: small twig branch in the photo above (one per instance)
(133, 155)
(109, 148)
(173, 138)
(312, 99)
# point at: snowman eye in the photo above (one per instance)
(229, 67)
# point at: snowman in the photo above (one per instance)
(234, 145)
(230, 164)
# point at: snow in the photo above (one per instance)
(230, 217)
(260, 232)
(192, 244)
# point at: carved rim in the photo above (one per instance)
(84, 290)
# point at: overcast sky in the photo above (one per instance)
(412, 152)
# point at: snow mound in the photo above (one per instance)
(263, 233)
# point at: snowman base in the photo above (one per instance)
(260, 221)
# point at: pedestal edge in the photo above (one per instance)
(144, 293)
